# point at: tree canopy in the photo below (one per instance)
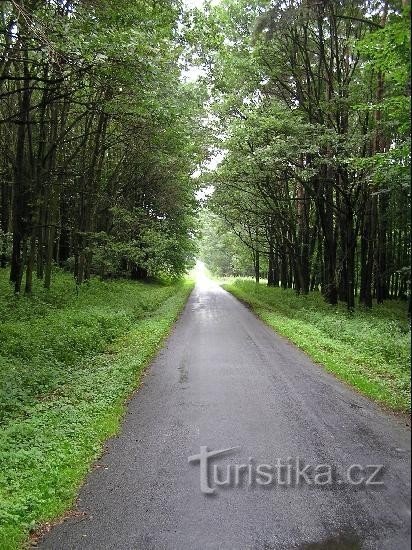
(99, 134)
(310, 102)
(102, 127)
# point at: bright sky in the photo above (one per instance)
(197, 3)
(193, 3)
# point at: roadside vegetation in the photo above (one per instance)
(294, 135)
(369, 349)
(311, 106)
(69, 359)
(99, 134)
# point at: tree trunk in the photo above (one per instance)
(271, 263)
(367, 252)
(257, 266)
(5, 220)
(381, 268)
(30, 264)
(20, 187)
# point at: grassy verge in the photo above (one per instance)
(68, 361)
(368, 349)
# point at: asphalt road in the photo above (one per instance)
(225, 380)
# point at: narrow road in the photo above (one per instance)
(225, 380)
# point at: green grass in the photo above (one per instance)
(368, 349)
(68, 361)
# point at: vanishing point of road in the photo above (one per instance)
(223, 380)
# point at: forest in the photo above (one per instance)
(269, 139)
(99, 136)
(311, 105)
(307, 103)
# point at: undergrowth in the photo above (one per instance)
(68, 360)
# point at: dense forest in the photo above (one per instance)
(306, 101)
(310, 103)
(99, 134)
(269, 139)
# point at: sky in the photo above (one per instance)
(197, 3)
(193, 3)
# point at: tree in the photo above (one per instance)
(100, 136)
(319, 193)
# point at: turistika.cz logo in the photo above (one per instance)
(289, 472)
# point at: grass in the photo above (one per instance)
(368, 349)
(68, 362)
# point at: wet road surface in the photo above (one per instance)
(225, 380)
